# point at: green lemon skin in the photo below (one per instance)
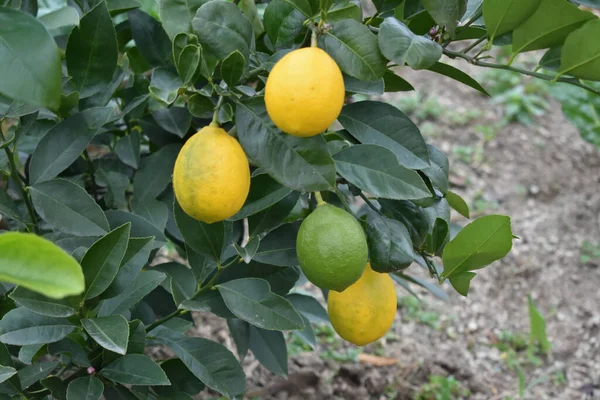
(332, 248)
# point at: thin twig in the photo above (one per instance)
(371, 205)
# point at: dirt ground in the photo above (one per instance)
(548, 180)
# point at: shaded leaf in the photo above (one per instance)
(150, 38)
(85, 388)
(135, 369)
(155, 172)
(176, 15)
(141, 286)
(23, 327)
(462, 282)
(112, 332)
(41, 304)
(270, 349)
(206, 239)
(458, 75)
(389, 242)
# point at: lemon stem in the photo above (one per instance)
(319, 198)
(313, 38)
(215, 119)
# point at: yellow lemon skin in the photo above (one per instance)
(365, 311)
(305, 92)
(211, 178)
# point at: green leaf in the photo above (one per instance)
(251, 300)
(548, 26)
(47, 269)
(41, 304)
(354, 48)
(64, 143)
(389, 242)
(136, 256)
(6, 373)
(438, 238)
(210, 362)
(141, 286)
(56, 386)
(438, 168)
(182, 380)
(270, 349)
(92, 51)
(22, 327)
(112, 332)
(137, 337)
(210, 301)
(183, 282)
(200, 106)
(31, 69)
(279, 246)
(354, 85)
(249, 9)
(187, 63)
(232, 68)
(382, 124)
(206, 239)
(73, 349)
(284, 21)
(119, 392)
(411, 216)
(457, 74)
(272, 217)
(101, 262)
(150, 38)
(309, 307)
(502, 16)
(281, 279)
(85, 388)
(240, 332)
(298, 163)
(537, 327)
(65, 17)
(202, 266)
(264, 192)
(344, 10)
(176, 15)
(28, 353)
(136, 370)
(176, 120)
(33, 373)
(164, 85)
(222, 29)
(399, 44)
(140, 227)
(152, 211)
(462, 282)
(67, 207)
(8, 208)
(155, 172)
(375, 169)
(247, 252)
(128, 149)
(458, 204)
(581, 56)
(551, 59)
(446, 12)
(478, 244)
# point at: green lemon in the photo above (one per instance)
(332, 248)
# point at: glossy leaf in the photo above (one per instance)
(155, 172)
(272, 217)
(140, 227)
(33, 373)
(41, 304)
(165, 84)
(581, 56)
(29, 60)
(270, 349)
(279, 246)
(206, 239)
(112, 332)
(478, 244)
(502, 16)
(264, 192)
(438, 168)
(23, 327)
(281, 279)
(152, 211)
(8, 208)
(284, 21)
(141, 286)
(354, 85)
(458, 204)
(68, 208)
(376, 170)
(85, 388)
(137, 337)
(101, 262)
(232, 68)
(240, 332)
(176, 15)
(136, 256)
(309, 307)
(298, 163)
(188, 62)
(6, 373)
(128, 149)
(394, 83)
(462, 282)
(389, 242)
(354, 48)
(446, 12)
(412, 217)
(457, 74)
(384, 125)
(150, 38)
(183, 282)
(182, 380)
(47, 270)
(399, 44)
(176, 120)
(136, 370)
(92, 51)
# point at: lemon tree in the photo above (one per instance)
(160, 158)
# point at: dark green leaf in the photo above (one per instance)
(298, 163)
(41, 304)
(116, 186)
(85, 388)
(183, 282)
(503, 16)
(272, 217)
(210, 301)
(270, 349)
(354, 47)
(411, 216)
(354, 85)
(165, 84)
(382, 124)
(247, 252)
(281, 279)
(137, 337)
(232, 68)
(128, 149)
(187, 63)
(458, 204)
(8, 207)
(251, 300)
(389, 242)
(309, 307)
(182, 380)
(61, 20)
(458, 75)
(375, 170)
(118, 392)
(139, 226)
(399, 44)
(73, 349)
(176, 15)
(580, 56)
(478, 244)
(47, 270)
(150, 38)
(65, 142)
(210, 362)
(27, 354)
(56, 386)
(176, 120)
(112, 332)
(438, 168)
(155, 172)
(136, 256)
(438, 238)
(222, 29)
(135, 369)
(446, 12)
(344, 10)
(6, 373)
(101, 262)
(152, 211)
(68, 208)
(279, 246)
(240, 332)
(22, 327)
(92, 51)
(462, 282)
(284, 21)
(249, 9)
(200, 106)
(206, 239)
(33, 373)
(264, 192)
(31, 69)
(202, 266)
(141, 286)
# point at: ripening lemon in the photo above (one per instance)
(211, 178)
(365, 311)
(305, 92)
(331, 248)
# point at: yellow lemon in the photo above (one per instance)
(365, 311)
(211, 178)
(305, 92)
